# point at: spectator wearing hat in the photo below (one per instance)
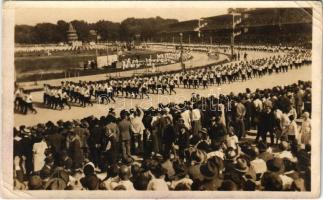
(211, 172)
(58, 180)
(242, 173)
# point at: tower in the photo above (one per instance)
(71, 34)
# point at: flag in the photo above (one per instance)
(200, 25)
(237, 22)
(237, 33)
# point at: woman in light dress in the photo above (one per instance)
(305, 131)
(39, 149)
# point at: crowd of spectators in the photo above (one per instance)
(200, 144)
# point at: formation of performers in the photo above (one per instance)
(242, 71)
(161, 59)
(84, 93)
(105, 91)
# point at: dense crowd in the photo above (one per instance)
(200, 144)
(237, 47)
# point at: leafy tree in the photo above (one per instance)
(25, 34)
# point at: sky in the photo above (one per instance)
(31, 13)
(32, 16)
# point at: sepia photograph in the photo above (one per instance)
(158, 98)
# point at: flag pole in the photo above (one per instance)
(232, 37)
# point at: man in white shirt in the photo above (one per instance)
(196, 120)
(29, 103)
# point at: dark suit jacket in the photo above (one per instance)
(124, 128)
(267, 122)
(56, 140)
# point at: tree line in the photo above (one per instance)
(129, 29)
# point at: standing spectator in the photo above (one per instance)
(109, 149)
(196, 119)
(217, 130)
(75, 151)
(95, 140)
(266, 124)
(124, 127)
(39, 149)
(292, 130)
(306, 128)
(169, 137)
(299, 96)
(137, 128)
(82, 132)
(240, 114)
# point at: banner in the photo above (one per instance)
(106, 60)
